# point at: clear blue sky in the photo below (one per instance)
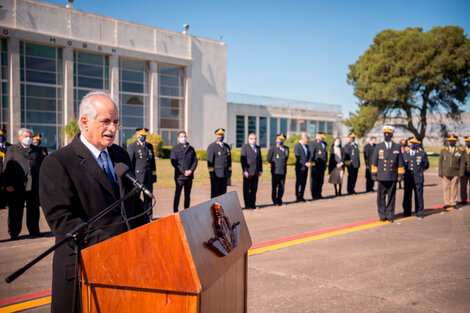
(289, 49)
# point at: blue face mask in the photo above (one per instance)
(279, 142)
(353, 139)
(414, 146)
(220, 139)
(2, 139)
(337, 143)
(142, 138)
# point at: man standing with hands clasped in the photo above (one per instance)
(184, 160)
(277, 161)
(219, 163)
(302, 156)
(252, 166)
(352, 162)
(386, 169)
(451, 168)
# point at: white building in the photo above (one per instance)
(51, 56)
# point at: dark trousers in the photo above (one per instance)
(187, 184)
(369, 181)
(300, 183)
(410, 186)
(352, 178)
(278, 182)
(250, 187)
(218, 186)
(147, 206)
(386, 199)
(16, 205)
(316, 182)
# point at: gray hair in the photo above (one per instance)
(22, 130)
(304, 136)
(87, 107)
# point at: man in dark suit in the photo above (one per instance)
(387, 167)
(184, 160)
(368, 151)
(416, 162)
(219, 163)
(302, 156)
(277, 161)
(76, 183)
(318, 158)
(252, 167)
(3, 151)
(22, 163)
(352, 162)
(143, 164)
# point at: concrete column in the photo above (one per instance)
(187, 84)
(68, 103)
(114, 86)
(14, 90)
(153, 97)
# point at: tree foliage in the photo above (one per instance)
(363, 120)
(70, 130)
(411, 73)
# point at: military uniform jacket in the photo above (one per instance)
(467, 161)
(318, 155)
(301, 157)
(183, 159)
(368, 151)
(452, 164)
(21, 167)
(415, 165)
(351, 155)
(251, 160)
(277, 159)
(143, 162)
(219, 159)
(387, 164)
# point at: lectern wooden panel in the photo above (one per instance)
(169, 265)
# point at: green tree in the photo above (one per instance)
(363, 120)
(70, 130)
(411, 73)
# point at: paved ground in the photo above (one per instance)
(408, 266)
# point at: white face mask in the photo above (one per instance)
(27, 141)
(252, 141)
(183, 140)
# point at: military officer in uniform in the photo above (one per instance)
(387, 168)
(318, 158)
(451, 168)
(143, 164)
(465, 180)
(302, 163)
(277, 161)
(37, 139)
(3, 151)
(368, 151)
(416, 162)
(352, 162)
(219, 163)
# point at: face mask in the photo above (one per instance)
(353, 139)
(414, 146)
(2, 139)
(388, 136)
(27, 141)
(337, 143)
(252, 142)
(279, 142)
(452, 143)
(183, 140)
(142, 138)
(220, 139)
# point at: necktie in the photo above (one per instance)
(254, 148)
(107, 170)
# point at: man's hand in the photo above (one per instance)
(188, 172)
(245, 175)
(308, 164)
(260, 173)
(10, 188)
(400, 178)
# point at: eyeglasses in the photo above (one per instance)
(107, 122)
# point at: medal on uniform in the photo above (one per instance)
(381, 154)
(319, 152)
(219, 153)
(418, 160)
(277, 156)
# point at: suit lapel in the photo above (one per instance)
(91, 165)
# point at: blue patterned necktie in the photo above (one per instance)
(107, 170)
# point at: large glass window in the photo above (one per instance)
(283, 126)
(272, 131)
(41, 91)
(90, 72)
(133, 94)
(293, 126)
(329, 128)
(313, 129)
(302, 125)
(3, 84)
(263, 132)
(251, 124)
(170, 101)
(240, 130)
(321, 127)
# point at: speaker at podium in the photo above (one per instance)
(192, 261)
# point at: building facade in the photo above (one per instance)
(266, 117)
(51, 56)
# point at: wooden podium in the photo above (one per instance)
(168, 266)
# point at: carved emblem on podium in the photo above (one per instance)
(227, 234)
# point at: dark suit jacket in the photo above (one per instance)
(332, 163)
(415, 166)
(301, 157)
(21, 167)
(277, 159)
(351, 155)
(73, 189)
(251, 161)
(219, 160)
(387, 164)
(368, 151)
(318, 155)
(143, 162)
(182, 160)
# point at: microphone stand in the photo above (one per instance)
(74, 235)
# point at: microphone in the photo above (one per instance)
(122, 170)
